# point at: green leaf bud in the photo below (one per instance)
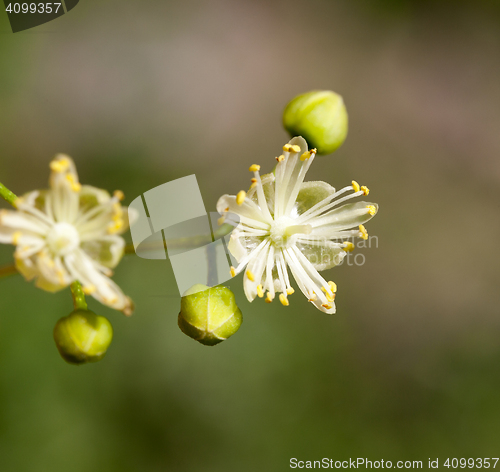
(83, 337)
(320, 117)
(209, 315)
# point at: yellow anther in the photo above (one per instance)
(371, 209)
(307, 154)
(16, 237)
(329, 297)
(233, 271)
(89, 289)
(328, 306)
(60, 165)
(312, 297)
(280, 158)
(290, 291)
(250, 276)
(268, 298)
(253, 181)
(291, 148)
(364, 233)
(116, 227)
(119, 195)
(254, 168)
(75, 186)
(221, 220)
(284, 301)
(226, 210)
(348, 246)
(260, 291)
(355, 186)
(240, 198)
(333, 286)
(365, 189)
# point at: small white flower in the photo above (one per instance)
(67, 233)
(284, 222)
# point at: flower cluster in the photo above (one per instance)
(284, 222)
(69, 232)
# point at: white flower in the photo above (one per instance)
(284, 222)
(67, 233)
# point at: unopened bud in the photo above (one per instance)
(83, 337)
(209, 315)
(320, 117)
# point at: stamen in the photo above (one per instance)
(60, 165)
(253, 180)
(348, 246)
(307, 154)
(333, 286)
(371, 209)
(329, 297)
(119, 195)
(364, 233)
(75, 186)
(233, 271)
(254, 184)
(250, 276)
(240, 198)
(312, 297)
(254, 168)
(355, 186)
(260, 291)
(290, 291)
(16, 237)
(268, 298)
(89, 289)
(284, 300)
(301, 229)
(365, 189)
(328, 306)
(116, 227)
(280, 158)
(291, 148)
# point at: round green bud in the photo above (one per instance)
(320, 117)
(209, 315)
(83, 337)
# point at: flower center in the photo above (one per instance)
(62, 239)
(283, 229)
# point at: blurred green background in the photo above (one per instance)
(140, 93)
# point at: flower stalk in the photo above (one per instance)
(7, 195)
(78, 296)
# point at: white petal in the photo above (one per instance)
(344, 217)
(249, 212)
(106, 291)
(107, 250)
(20, 221)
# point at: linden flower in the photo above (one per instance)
(67, 233)
(286, 222)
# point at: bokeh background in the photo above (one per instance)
(140, 93)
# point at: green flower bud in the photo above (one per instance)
(209, 315)
(320, 117)
(83, 337)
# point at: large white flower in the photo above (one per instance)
(67, 233)
(286, 222)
